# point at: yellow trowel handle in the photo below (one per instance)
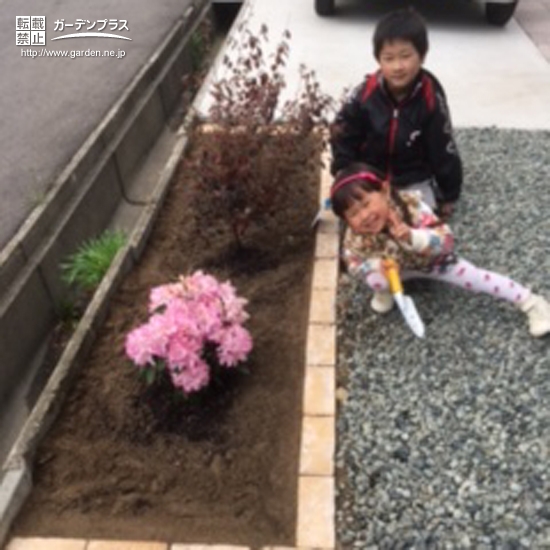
(391, 271)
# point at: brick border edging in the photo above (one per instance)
(316, 486)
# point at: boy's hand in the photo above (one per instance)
(398, 228)
(445, 210)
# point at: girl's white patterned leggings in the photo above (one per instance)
(465, 275)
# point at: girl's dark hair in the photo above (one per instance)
(343, 197)
(404, 24)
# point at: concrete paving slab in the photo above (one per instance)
(534, 18)
(493, 76)
(37, 543)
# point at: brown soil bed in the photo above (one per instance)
(224, 468)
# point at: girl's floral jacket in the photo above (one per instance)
(431, 246)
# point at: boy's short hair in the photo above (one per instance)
(403, 24)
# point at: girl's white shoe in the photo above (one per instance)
(382, 301)
(537, 310)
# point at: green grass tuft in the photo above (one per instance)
(87, 266)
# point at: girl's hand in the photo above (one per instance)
(398, 228)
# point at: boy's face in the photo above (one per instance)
(399, 62)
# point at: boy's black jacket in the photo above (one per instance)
(410, 141)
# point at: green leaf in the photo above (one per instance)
(150, 376)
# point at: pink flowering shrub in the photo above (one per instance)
(188, 319)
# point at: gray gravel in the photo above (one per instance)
(445, 442)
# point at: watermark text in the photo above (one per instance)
(72, 54)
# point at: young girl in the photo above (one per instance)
(384, 223)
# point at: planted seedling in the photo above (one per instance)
(87, 266)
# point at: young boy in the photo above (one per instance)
(397, 120)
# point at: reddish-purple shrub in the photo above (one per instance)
(254, 137)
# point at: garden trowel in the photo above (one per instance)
(404, 302)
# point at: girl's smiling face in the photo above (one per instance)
(368, 214)
(399, 62)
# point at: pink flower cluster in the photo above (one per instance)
(185, 317)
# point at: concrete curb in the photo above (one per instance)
(84, 198)
(15, 488)
(146, 221)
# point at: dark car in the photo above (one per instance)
(497, 12)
